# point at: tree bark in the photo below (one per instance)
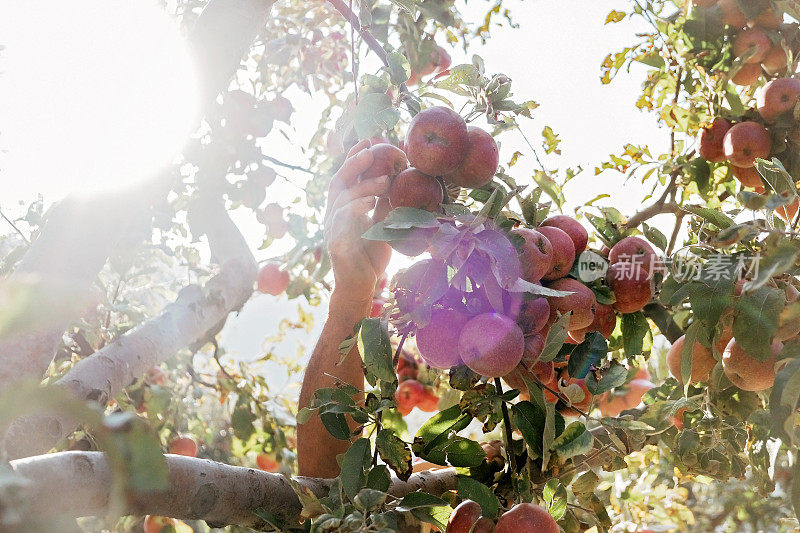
(195, 312)
(79, 483)
(63, 263)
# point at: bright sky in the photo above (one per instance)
(80, 110)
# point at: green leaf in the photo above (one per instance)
(418, 500)
(463, 452)
(575, 440)
(399, 67)
(549, 433)
(778, 260)
(555, 498)
(715, 216)
(472, 489)
(783, 400)
(355, 460)
(686, 353)
(394, 453)
(555, 338)
(587, 354)
(409, 217)
(710, 298)
(530, 421)
(374, 114)
(613, 376)
(242, 419)
(655, 236)
(376, 350)
(756, 320)
(438, 428)
(379, 478)
(336, 424)
(634, 329)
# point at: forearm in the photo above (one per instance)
(316, 448)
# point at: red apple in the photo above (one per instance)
(632, 285)
(563, 252)
(526, 518)
(408, 395)
(581, 302)
(412, 188)
(605, 320)
(776, 98)
(752, 40)
(709, 140)
(491, 344)
(731, 13)
(429, 402)
(155, 524)
(747, 75)
(183, 446)
(388, 160)
(745, 142)
(267, 462)
(536, 255)
(775, 61)
(438, 340)
(749, 177)
(480, 161)
(747, 372)
(573, 228)
(464, 517)
(533, 315)
(272, 279)
(634, 250)
(768, 19)
(627, 398)
(437, 141)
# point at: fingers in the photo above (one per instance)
(382, 209)
(360, 145)
(348, 223)
(371, 187)
(347, 175)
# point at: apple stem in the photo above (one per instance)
(512, 458)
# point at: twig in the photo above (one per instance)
(659, 207)
(674, 237)
(512, 457)
(353, 57)
(24, 238)
(286, 165)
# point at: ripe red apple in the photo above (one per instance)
(533, 315)
(749, 177)
(745, 142)
(429, 402)
(526, 518)
(731, 13)
(154, 524)
(677, 420)
(412, 188)
(709, 140)
(581, 302)
(438, 340)
(605, 320)
(776, 98)
(572, 392)
(787, 212)
(480, 161)
(747, 75)
(272, 279)
(627, 398)
(464, 517)
(376, 309)
(768, 19)
(752, 40)
(563, 252)
(775, 62)
(536, 255)
(573, 228)
(491, 345)
(408, 395)
(388, 160)
(437, 141)
(183, 446)
(631, 284)
(747, 372)
(267, 462)
(634, 250)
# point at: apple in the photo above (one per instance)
(408, 395)
(748, 177)
(429, 402)
(376, 308)
(632, 285)
(536, 254)
(272, 279)
(605, 320)
(731, 13)
(581, 302)
(480, 161)
(438, 340)
(387, 160)
(437, 141)
(709, 140)
(776, 98)
(787, 212)
(491, 345)
(526, 518)
(752, 40)
(563, 252)
(775, 62)
(628, 398)
(745, 142)
(768, 19)
(677, 420)
(634, 250)
(464, 517)
(747, 372)
(183, 446)
(412, 188)
(573, 228)
(534, 314)
(155, 524)
(570, 391)
(267, 462)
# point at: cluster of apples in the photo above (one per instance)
(742, 369)
(468, 517)
(411, 392)
(741, 143)
(760, 34)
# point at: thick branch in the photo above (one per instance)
(196, 311)
(63, 263)
(79, 483)
(352, 18)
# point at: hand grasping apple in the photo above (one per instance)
(357, 263)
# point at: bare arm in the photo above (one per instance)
(357, 264)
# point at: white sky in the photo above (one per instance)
(553, 58)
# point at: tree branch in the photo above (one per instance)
(79, 483)
(195, 312)
(352, 18)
